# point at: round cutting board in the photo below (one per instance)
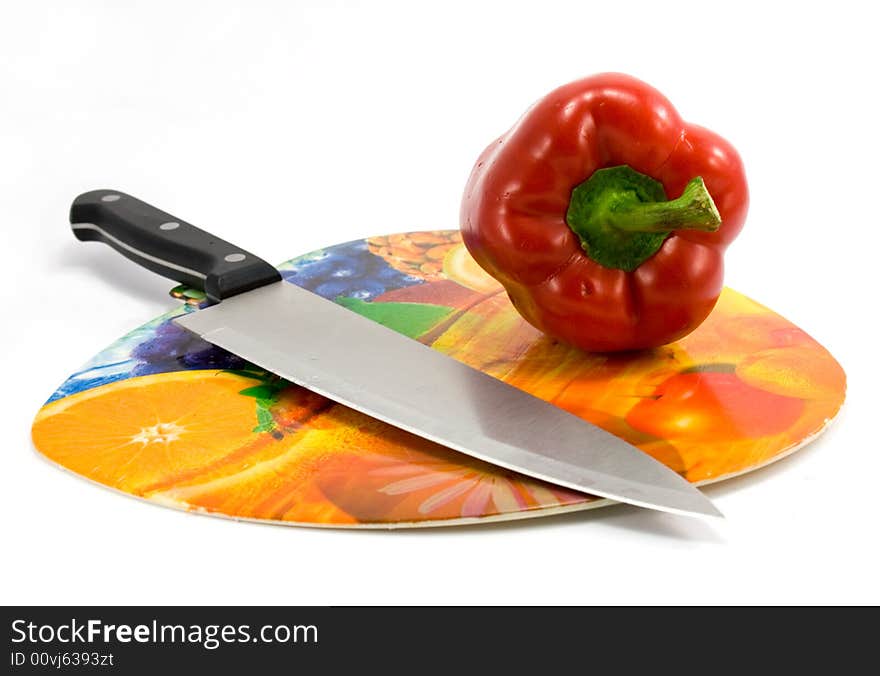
(165, 416)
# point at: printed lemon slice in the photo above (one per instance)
(461, 268)
(141, 432)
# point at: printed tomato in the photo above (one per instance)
(707, 406)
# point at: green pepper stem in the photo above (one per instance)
(622, 217)
(694, 210)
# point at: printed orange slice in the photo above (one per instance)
(139, 433)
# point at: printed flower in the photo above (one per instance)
(409, 484)
(478, 491)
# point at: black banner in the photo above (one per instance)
(257, 640)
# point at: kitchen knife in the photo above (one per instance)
(339, 354)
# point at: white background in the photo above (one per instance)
(289, 126)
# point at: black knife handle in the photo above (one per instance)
(168, 245)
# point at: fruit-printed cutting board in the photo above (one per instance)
(167, 417)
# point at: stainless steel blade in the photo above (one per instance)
(328, 349)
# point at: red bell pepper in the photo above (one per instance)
(568, 211)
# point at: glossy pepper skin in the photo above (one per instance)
(513, 215)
